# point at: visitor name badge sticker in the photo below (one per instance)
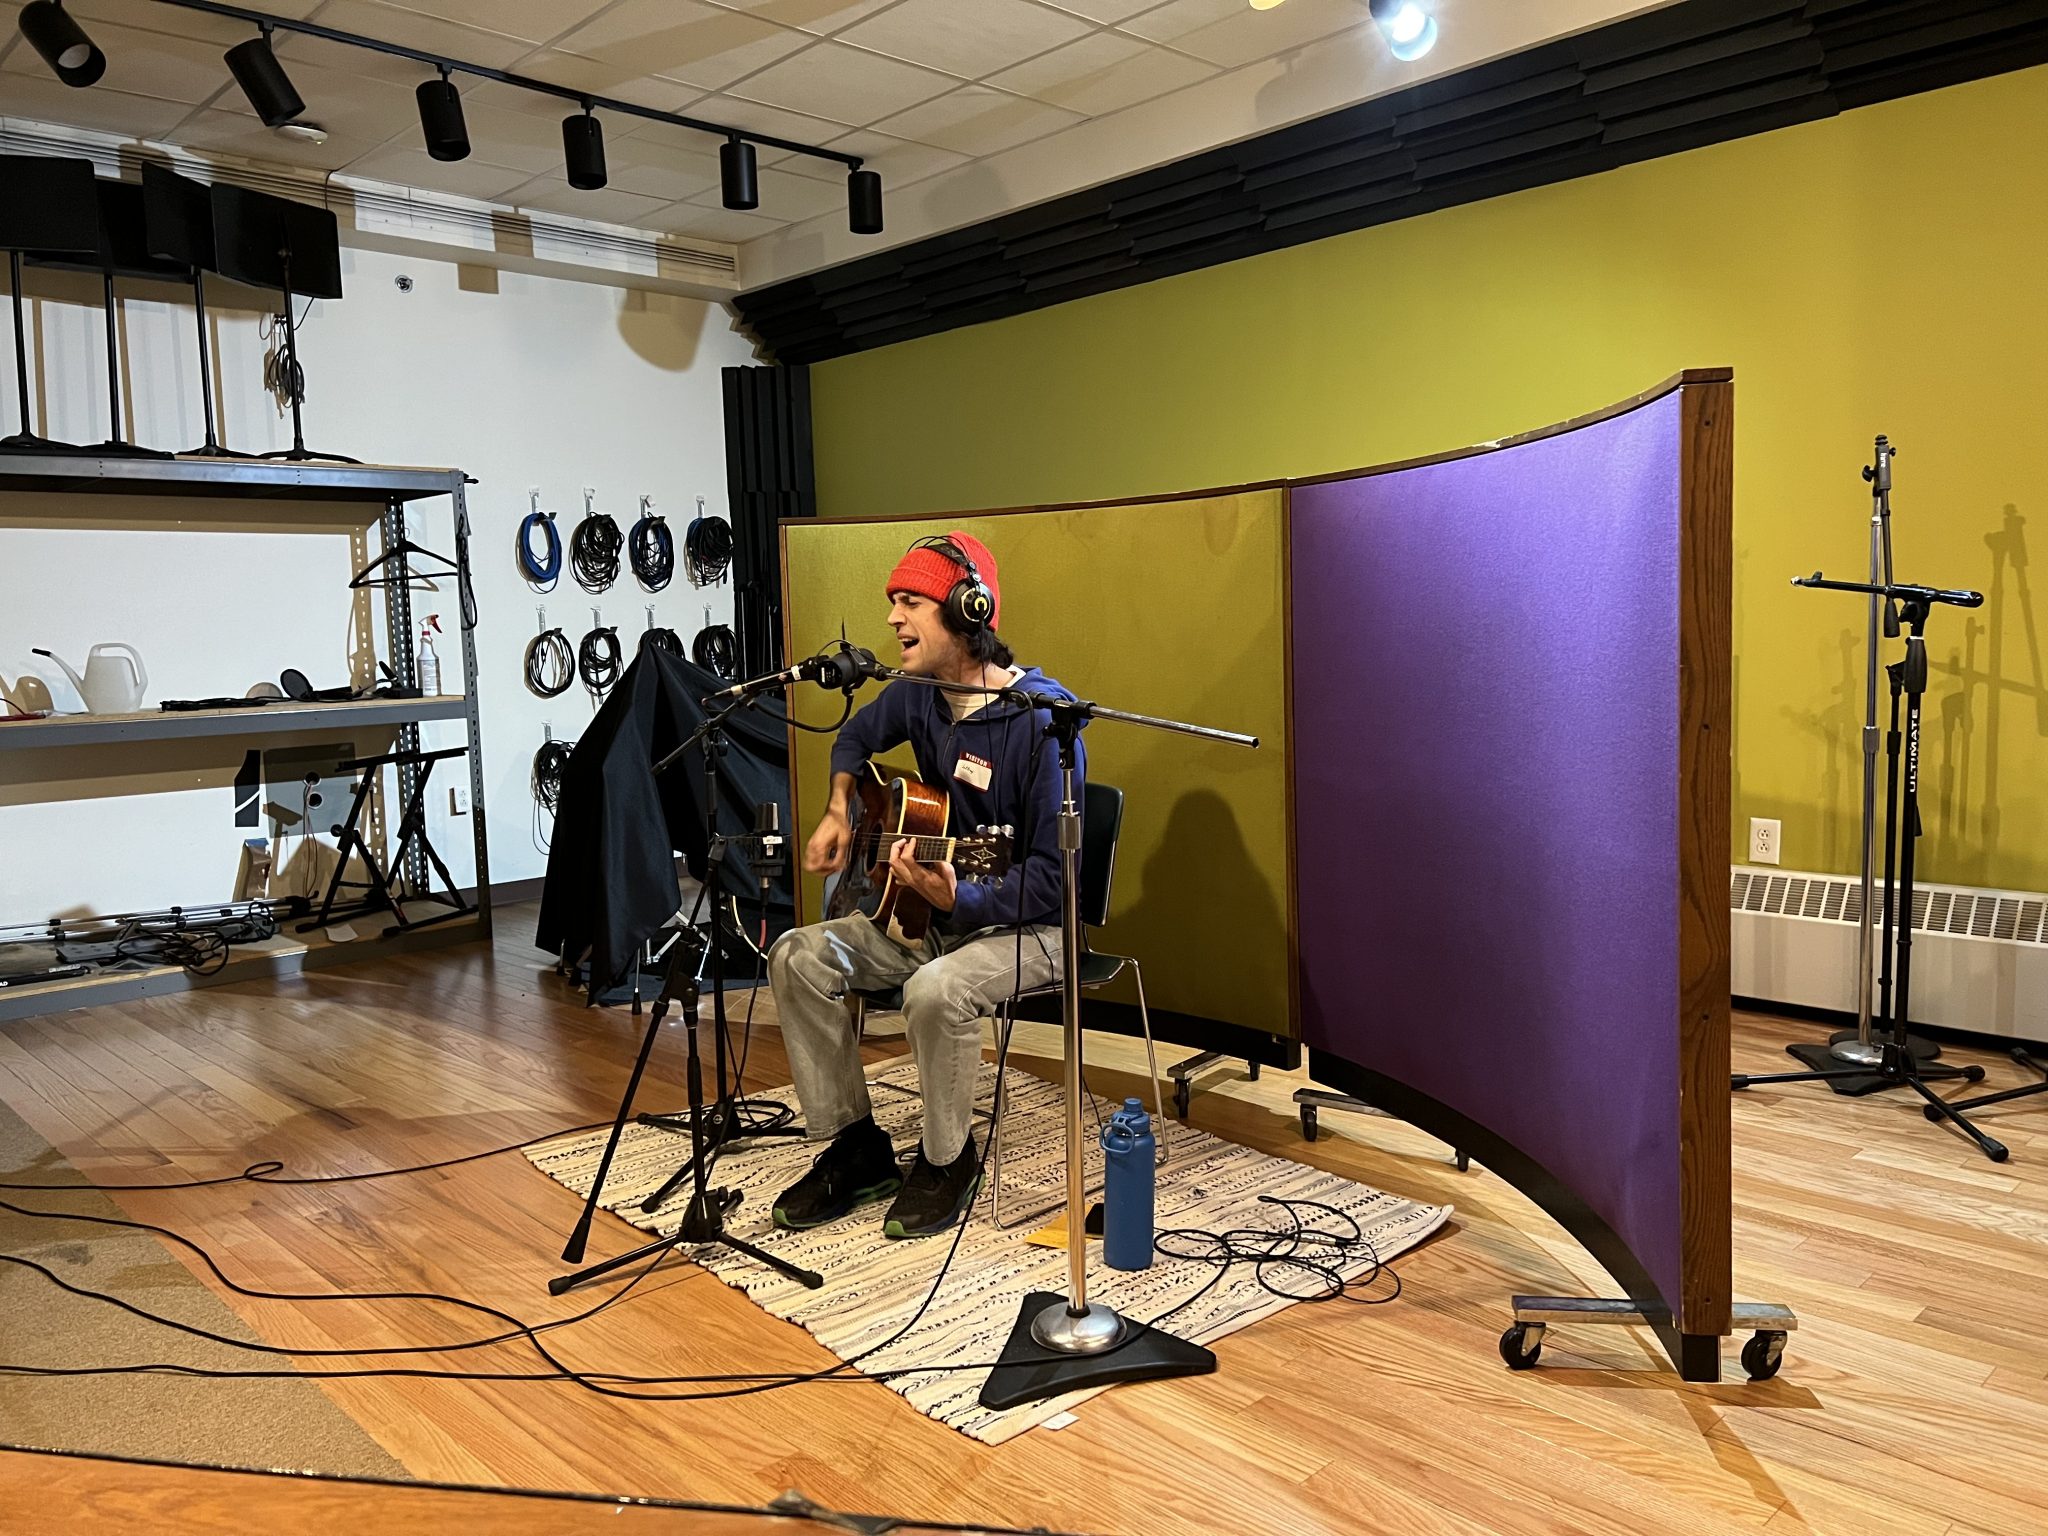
(978, 771)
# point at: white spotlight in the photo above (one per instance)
(1410, 30)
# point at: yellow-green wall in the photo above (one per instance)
(1880, 271)
(1200, 893)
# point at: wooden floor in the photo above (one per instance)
(1914, 1399)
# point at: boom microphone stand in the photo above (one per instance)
(1090, 1344)
(1897, 1065)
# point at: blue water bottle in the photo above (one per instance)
(1128, 1158)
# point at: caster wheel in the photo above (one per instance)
(1308, 1121)
(1517, 1349)
(1762, 1355)
(1180, 1099)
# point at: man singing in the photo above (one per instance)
(999, 769)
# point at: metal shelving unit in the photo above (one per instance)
(166, 487)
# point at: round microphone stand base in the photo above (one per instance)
(1089, 1332)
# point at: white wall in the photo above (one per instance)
(518, 380)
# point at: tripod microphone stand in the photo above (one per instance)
(704, 1218)
(1897, 1066)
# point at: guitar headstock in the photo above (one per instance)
(985, 855)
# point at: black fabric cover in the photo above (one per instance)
(611, 880)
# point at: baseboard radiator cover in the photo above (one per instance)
(1980, 957)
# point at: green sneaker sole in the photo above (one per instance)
(895, 1228)
(861, 1197)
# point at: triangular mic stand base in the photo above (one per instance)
(116, 448)
(1028, 1371)
(301, 454)
(28, 442)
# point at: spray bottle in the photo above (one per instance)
(428, 673)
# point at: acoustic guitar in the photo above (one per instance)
(883, 812)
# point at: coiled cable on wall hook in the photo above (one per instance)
(550, 663)
(652, 548)
(594, 547)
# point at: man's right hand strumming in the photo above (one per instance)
(825, 853)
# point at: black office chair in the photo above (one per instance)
(1102, 817)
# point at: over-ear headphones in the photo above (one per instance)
(970, 605)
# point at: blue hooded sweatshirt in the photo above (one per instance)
(1022, 767)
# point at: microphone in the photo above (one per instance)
(847, 667)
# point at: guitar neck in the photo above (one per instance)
(924, 850)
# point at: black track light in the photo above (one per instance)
(864, 202)
(72, 56)
(738, 178)
(263, 80)
(583, 149)
(441, 118)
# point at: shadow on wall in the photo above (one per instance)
(662, 328)
(1838, 727)
(1974, 699)
(1234, 908)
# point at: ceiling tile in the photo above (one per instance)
(712, 223)
(412, 167)
(1230, 33)
(1102, 73)
(785, 197)
(524, 140)
(1103, 10)
(391, 25)
(607, 205)
(666, 170)
(46, 100)
(848, 85)
(241, 135)
(178, 22)
(579, 74)
(538, 21)
(684, 40)
(900, 161)
(821, 17)
(965, 40)
(976, 120)
(140, 63)
(756, 117)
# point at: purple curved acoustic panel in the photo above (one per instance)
(1510, 742)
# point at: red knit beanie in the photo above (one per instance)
(928, 573)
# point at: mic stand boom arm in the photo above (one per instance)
(1088, 1343)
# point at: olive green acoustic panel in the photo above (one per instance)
(1168, 608)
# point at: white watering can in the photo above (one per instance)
(114, 678)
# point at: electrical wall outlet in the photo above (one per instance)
(458, 799)
(1763, 840)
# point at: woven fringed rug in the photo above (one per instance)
(873, 1284)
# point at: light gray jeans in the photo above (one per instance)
(947, 991)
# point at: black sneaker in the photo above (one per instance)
(933, 1197)
(856, 1168)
